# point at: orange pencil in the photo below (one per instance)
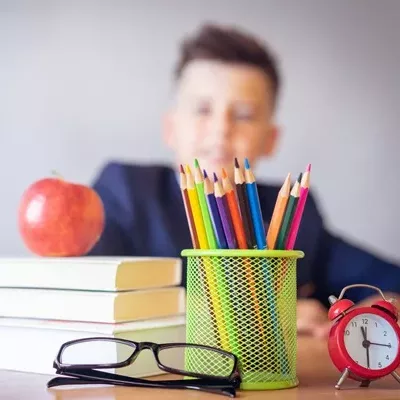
(278, 214)
(238, 227)
(234, 211)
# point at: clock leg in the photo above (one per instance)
(396, 376)
(342, 378)
(365, 383)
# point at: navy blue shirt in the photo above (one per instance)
(145, 216)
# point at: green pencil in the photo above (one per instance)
(199, 181)
(289, 213)
(215, 271)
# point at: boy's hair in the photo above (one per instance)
(231, 45)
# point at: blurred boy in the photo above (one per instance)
(227, 84)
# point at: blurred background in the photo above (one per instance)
(84, 82)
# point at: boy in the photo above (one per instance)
(227, 86)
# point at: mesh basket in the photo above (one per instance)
(244, 301)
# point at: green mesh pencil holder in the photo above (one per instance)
(244, 301)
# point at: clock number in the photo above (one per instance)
(365, 321)
(384, 333)
(347, 333)
(379, 365)
(387, 357)
(354, 324)
(389, 345)
(376, 324)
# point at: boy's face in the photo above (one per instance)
(222, 111)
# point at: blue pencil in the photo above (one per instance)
(261, 240)
(255, 209)
(214, 213)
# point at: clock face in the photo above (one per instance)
(371, 341)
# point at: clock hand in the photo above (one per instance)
(365, 342)
(364, 333)
(380, 344)
(367, 346)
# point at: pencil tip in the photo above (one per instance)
(181, 169)
(300, 176)
(188, 169)
(246, 163)
(308, 169)
(215, 177)
(205, 173)
(196, 163)
(236, 163)
(287, 181)
(224, 174)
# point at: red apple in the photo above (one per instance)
(60, 218)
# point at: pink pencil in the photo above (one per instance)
(304, 186)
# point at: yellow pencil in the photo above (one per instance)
(278, 214)
(196, 210)
(209, 265)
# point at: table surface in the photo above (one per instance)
(316, 374)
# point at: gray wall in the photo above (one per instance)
(82, 82)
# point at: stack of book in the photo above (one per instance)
(45, 302)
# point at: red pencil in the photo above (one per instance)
(234, 211)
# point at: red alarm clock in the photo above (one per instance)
(364, 342)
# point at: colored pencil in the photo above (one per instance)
(249, 240)
(214, 213)
(255, 209)
(210, 267)
(294, 228)
(188, 210)
(244, 207)
(199, 182)
(219, 268)
(289, 213)
(196, 210)
(224, 213)
(279, 212)
(234, 210)
(267, 269)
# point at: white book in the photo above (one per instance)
(92, 306)
(90, 272)
(32, 345)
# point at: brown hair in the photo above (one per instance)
(228, 44)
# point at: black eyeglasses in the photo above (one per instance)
(216, 370)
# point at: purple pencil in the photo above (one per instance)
(214, 213)
(224, 214)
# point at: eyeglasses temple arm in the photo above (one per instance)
(63, 381)
(100, 377)
(95, 374)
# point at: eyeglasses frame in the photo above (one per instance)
(88, 373)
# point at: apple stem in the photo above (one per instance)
(56, 174)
